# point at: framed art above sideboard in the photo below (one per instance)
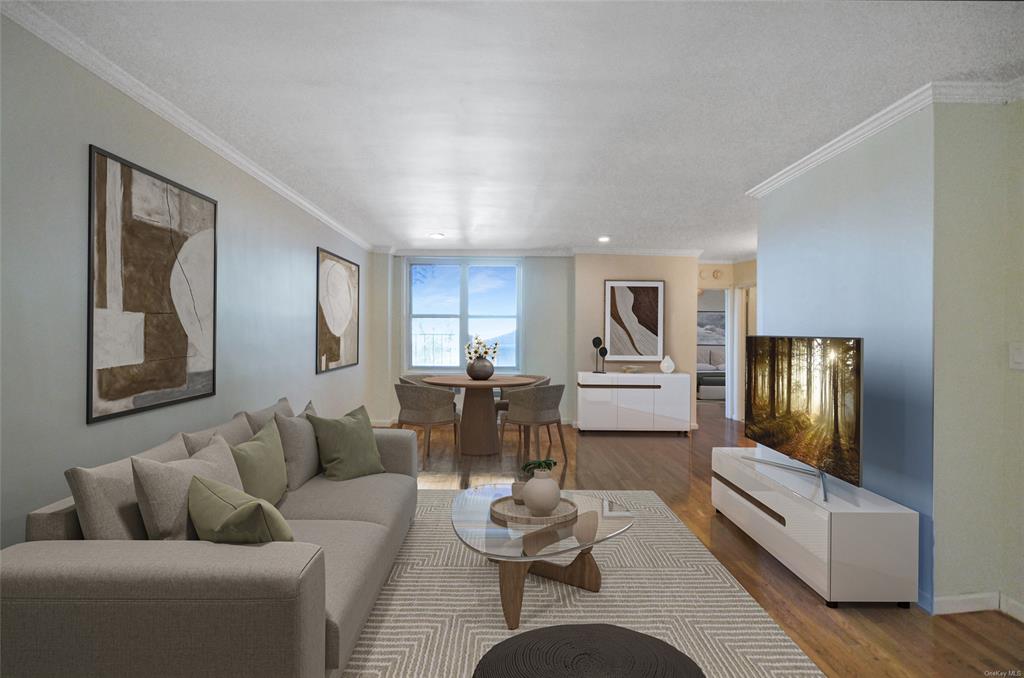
(634, 319)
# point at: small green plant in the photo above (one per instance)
(541, 464)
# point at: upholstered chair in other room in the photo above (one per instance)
(531, 408)
(427, 406)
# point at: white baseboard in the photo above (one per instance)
(1014, 608)
(968, 602)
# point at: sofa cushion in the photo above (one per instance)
(234, 432)
(105, 495)
(225, 515)
(301, 458)
(347, 446)
(260, 418)
(357, 561)
(162, 487)
(388, 499)
(260, 464)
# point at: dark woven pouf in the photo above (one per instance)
(590, 650)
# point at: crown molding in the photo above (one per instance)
(637, 252)
(60, 38)
(426, 252)
(933, 92)
(540, 252)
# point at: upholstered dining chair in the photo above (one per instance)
(531, 408)
(427, 406)
(418, 380)
(501, 404)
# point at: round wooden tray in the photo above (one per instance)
(505, 511)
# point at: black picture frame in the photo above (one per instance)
(91, 418)
(316, 311)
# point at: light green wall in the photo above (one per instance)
(1013, 404)
(548, 325)
(52, 109)
(979, 401)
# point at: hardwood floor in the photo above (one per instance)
(853, 640)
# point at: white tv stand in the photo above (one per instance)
(856, 547)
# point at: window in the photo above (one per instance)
(453, 300)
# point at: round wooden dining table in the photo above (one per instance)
(479, 428)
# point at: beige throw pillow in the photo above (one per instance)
(260, 418)
(301, 458)
(234, 432)
(162, 488)
(105, 495)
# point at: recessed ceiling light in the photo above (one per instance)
(436, 236)
(603, 238)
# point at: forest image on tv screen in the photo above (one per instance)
(803, 399)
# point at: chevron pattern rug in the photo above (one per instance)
(440, 611)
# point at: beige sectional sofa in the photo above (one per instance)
(138, 607)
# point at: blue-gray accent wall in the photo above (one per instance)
(846, 249)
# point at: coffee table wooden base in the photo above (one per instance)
(582, 573)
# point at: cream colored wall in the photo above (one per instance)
(381, 401)
(744, 273)
(680, 276)
(979, 401)
(714, 276)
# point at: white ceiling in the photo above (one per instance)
(521, 126)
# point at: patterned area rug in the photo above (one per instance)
(440, 611)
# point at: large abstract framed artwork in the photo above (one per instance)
(634, 319)
(152, 290)
(337, 312)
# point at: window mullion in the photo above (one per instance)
(463, 312)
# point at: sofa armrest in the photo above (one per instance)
(58, 520)
(398, 451)
(162, 608)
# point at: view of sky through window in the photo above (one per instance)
(438, 317)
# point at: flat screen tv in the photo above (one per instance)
(803, 399)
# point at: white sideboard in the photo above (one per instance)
(856, 547)
(645, 401)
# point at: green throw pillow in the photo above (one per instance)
(347, 446)
(261, 465)
(225, 515)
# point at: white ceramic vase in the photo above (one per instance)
(667, 366)
(541, 493)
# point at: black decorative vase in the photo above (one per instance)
(480, 369)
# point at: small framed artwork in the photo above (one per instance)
(337, 312)
(710, 328)
(634, 319)
(152, 322)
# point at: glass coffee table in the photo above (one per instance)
(520, 549)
